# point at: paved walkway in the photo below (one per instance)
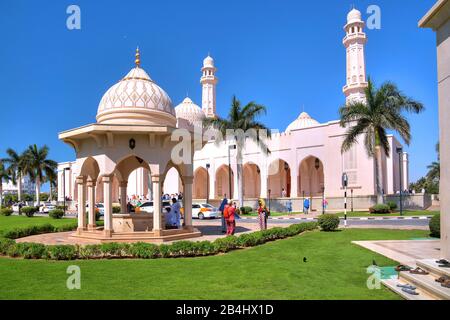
(404, 251)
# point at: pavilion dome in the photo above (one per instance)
(354, 16)
(136, 99)
(303, 121)
(189, 111)
(208, 62)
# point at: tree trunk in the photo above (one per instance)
(19, 187)
(1, 193)
(38, 191)
(379, 173)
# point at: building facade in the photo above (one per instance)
(305, 158)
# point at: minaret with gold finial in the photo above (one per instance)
(138, 58)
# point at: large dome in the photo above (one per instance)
(189, 111)
(303, 121)
(136, 99)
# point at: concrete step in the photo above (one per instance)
(392, 285)
(427, 283)
(431, 266)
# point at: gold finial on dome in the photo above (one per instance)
(138, 58)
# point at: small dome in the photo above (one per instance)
(208, 62)
(354, 16)
(136, 99)
(303, 121)
(190, 112)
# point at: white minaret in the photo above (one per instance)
(209, 81)
(354, 41)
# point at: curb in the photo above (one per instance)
(349, 218)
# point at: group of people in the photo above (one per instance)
(166, 196)
(173, 216)
(230, 214)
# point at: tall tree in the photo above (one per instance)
(38, 166)
(434, 169)
(241, 119)
(15, 164)
(52, 178)
(382, 111)
(4, 176)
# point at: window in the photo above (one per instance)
(350, 165)
(195, 206)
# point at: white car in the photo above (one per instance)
(204, 211)
(46, 208)
(148, 206)
(99, 207)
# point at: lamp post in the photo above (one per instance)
(231, 147)
(207, 182)
(344, 185)
(317, 166)
(323, 199)
(64, 188)
(351, 199)
(269, 198)
(400, 153)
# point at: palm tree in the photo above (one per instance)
(37, 166)
(434, 169)
(4, 176)
(240, 118)
(15, 164)
(381, 111)
(51, 177)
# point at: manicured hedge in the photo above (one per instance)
(328, 222)
(116, 209)
(29, 211)
(6, 212)
(392, 205)
(39, 229)
(435, 226)
(380, 208)
(56, 213)
(246, 210)
(146, 250)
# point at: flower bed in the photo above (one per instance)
(140, 250)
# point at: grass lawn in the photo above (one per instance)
(11, 222)
(407, 213)
(335, 269)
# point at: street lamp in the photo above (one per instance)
(400, 153)
(269, 198)
(231, 147)
(207, 182)
(64, 188)
(317, 166)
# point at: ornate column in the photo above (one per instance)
(212, 181)
(81, 183)
(123, 197)
(91, 200)
(188, 181)
(107, 202)
(264, 181)
(157, 215)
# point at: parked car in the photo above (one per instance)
(99, 207)
(46, 207)
(148, 207)
(204, 210)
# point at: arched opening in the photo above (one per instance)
(223, 182)
(279, 178)
(200, 186)
(252, 180)
(173, 184)
(311, 177)
(136, 172)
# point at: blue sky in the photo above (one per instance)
(284, 54)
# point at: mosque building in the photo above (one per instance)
(305, 160)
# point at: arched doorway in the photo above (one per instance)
(201, 180)
(252, 180)
(223, 183)
(172, 182)
(279, 177)
(311, 177)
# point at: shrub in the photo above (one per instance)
(29, 211)
(392, 205)
(246, 210)
(29, 231)
(63, 208)
(56, 213)
(115, 250)
(61, 252)
(27, 250)
(116, 209)
(91, 251)
(204, 248)
(6, 212)
(5, 244)
(435, 226)
(380, 208)
(182, 249)
(144, 250)
(328, 222)
(247, 240)
(225, 244)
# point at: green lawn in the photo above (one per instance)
(11, 222)
(335, 269)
